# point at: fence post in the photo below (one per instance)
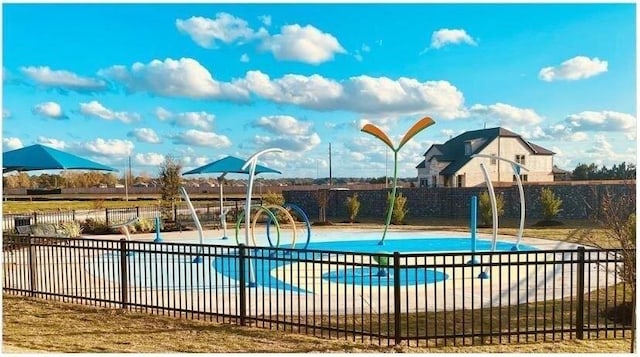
(35, 217)
(33, 284)
(580, 295)
(73, 215)
(243, 284)
(106, 216)
(137, 211)
(396, 298)
(124, 275)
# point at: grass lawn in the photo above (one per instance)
(39, 325)
(42, 206)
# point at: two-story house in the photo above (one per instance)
(451, 165)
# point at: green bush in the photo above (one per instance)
(399, 210)
(144, 225)
(71, 229)
(94, 226)
(276, 199)
(550, 204)
(353, 206)
(484, 208)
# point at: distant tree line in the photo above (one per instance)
(622, 171)
(79, 179)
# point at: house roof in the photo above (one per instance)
(556, 170)
(454, 150)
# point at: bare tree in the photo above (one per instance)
(616, 214)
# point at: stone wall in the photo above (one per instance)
(578, 200)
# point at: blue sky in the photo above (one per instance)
(202, 81)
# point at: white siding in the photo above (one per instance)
(539, 166)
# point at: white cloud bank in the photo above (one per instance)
(49, 110)
(444, 37)
(579, 67)
(63, 80)
(97, 110)
(145, 135)
(185, 77)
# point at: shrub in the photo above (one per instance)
(353, 206)
(144, 225)
(399, 210)
(484, 208)
(94, 226)
(550, 204)
(276, 199)
(71, 229)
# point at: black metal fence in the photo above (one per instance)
(208, 214)
(418, 299)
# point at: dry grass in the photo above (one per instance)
(39, 325)
(43, 206)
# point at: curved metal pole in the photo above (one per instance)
(252, 162)
(393, 196)
(516, 170)
(494, 211)
(379, 134)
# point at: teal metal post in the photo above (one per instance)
(158, 238)
(473, 224)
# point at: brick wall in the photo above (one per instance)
(577, 200)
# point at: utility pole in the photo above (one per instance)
(126, 186)
(330, 175)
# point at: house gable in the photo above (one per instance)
(458, 150)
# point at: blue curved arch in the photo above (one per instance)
(304, 217)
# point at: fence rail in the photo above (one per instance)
(418, 299)
(208, 213)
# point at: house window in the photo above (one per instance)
(523, 178)
(460, 180)
(434, 180)
(424, 183)
(467, 148)
(520, 159)
(493, 159)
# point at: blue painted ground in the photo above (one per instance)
(413, 245)
(371, 276)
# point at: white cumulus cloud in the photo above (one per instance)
(305, 44)
(225, 28)
(162, 114)
(244, 58)
(201, 138)
(291, 134)
(146, 135)
(579, 67)
(11, 143)
(63, 80)
(445, 37)
(507, 114)
(49, 110)
(97, 110)
(112, 148)
(362, 94)
(51, 142)
(601, 121)
(296, 143)
(265, 19)
(201, 120)
(284, 125)
(149, 159)
(185, 77)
